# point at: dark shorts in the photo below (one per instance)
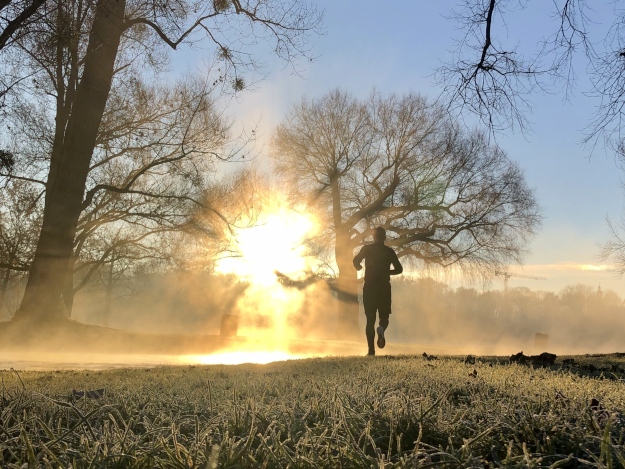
(377, 298)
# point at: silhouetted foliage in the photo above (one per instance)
(153, 157)
(16, 16)
(20, 220)
(444, 196)
(614, 248)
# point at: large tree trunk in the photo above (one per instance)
(3, 289)
(68, 173)
(346, 283)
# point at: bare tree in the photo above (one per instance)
(155, 152)
(16, 16)
(20, 219)
(494, 80)
(614, 247)
(445, 196)
(239, 199)
(231, 26)
(114, 258)
(490, 76)
(152, 164)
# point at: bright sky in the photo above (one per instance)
(395, 46)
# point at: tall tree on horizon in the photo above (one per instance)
(445, 196)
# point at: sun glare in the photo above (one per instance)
(239, 357)
(275, 243)
(594, 268)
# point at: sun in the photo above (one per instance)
(276, 242)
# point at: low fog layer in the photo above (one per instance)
(426, 314)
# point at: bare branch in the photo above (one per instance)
(171, 43)
(19, 21)
(18, 268)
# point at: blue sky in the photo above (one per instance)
(395, 47)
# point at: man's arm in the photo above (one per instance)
(397, 267)
(359, 257)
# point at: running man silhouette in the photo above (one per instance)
(376, 293)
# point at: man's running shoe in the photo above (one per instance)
(371, 353)
(381, 339)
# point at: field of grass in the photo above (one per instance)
(382, 412)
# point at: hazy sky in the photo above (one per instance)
(395, 47)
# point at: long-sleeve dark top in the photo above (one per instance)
(378, 261)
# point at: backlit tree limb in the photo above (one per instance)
(494, 80)
(22, 12)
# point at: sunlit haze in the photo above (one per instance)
(237, 358)
(271, 245)
(265, 279)
(275, 242)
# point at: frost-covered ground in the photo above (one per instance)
(394, 411)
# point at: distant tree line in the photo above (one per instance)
(578, 317)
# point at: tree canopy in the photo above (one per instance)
(444, 195)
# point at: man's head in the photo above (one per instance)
(379, 235)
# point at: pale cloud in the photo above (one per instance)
(598, 268)
(564, 267)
